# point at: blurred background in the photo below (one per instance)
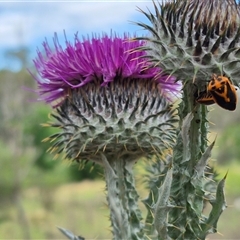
(38, 192)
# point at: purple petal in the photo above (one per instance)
(106, 57)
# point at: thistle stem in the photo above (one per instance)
(190, 197)
(122, 198)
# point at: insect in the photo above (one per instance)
(219, 90)
(205, 98)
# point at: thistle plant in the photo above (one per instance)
(112, 99)
(110, 108)
(191, 40)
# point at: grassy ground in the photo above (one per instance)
(81, 208)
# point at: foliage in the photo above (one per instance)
(32, 128)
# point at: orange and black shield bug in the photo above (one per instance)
(223, 92)
(205, 98)
(220, 90)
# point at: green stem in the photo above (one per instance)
(185, 217)
(123, 199)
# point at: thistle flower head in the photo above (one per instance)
(194, 39)
(111, 100)
(102, 59)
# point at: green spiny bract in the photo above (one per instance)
(191, 40)
(114, 126)
(127, 118)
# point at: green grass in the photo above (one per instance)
(81, 208)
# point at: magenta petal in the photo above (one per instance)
(105, 57)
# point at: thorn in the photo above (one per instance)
(49, 149)
(220, 233)
(45, 125)
(96, 151)
(56, 156)
(53, 139)
(176, 227)
(148, 237)
(45, 139)
(152, 214)
(78, 153)
(226, 175)
(53, 150)
(104, 148)
(84, 147)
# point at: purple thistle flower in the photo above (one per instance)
(104, 59)
(108, 98)
(112, 108)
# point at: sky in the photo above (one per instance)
(29, 23)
